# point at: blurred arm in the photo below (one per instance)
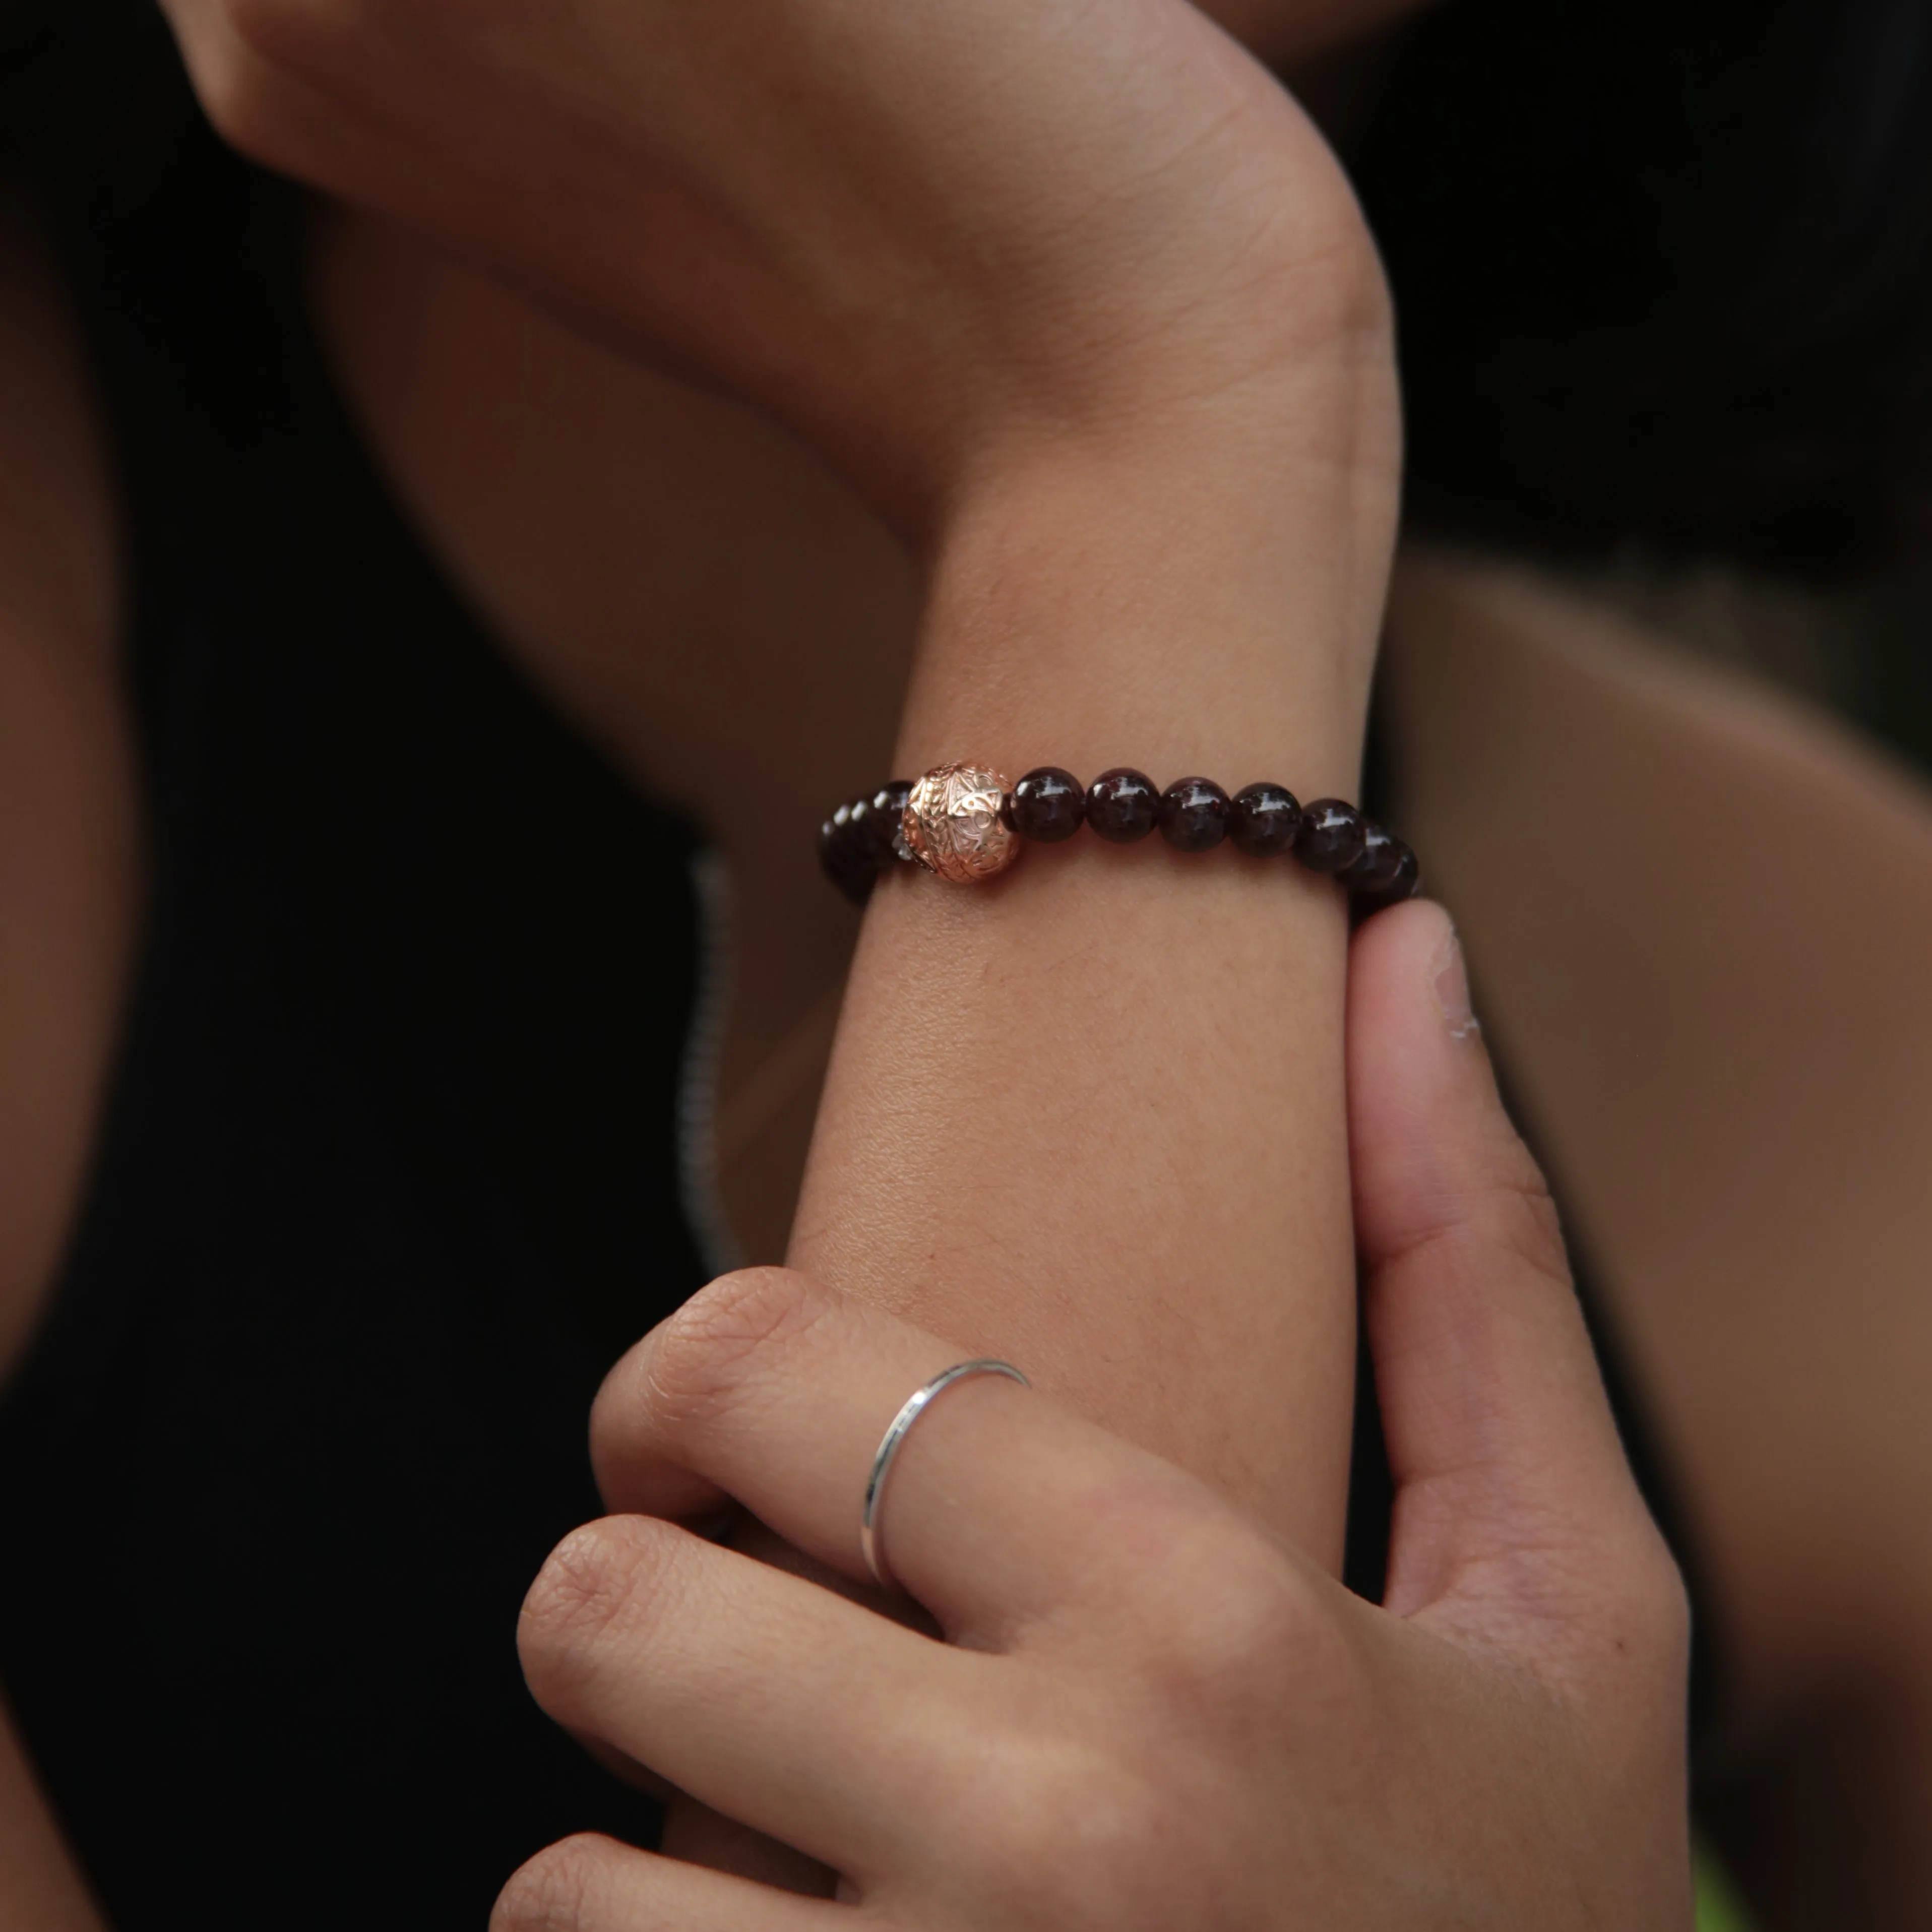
(1698, 915)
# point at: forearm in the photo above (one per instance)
(947, 225)
(1091, 1117)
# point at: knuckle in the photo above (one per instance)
(1237, 1626)
(1353, 305)
(1517, 1214)
(1619, 1616)
(595, 1580)
(701, 1361)
(1081, 1824)
(1080, 1842)
(1651, 1605)
(1489, 1203)
(554, 1891)
(1361, 307)
(1626, 1666)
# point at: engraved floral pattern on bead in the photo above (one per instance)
(953, 824)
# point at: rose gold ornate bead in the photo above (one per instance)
(952, 824)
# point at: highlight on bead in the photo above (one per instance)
(1193, 815)
(965, 823)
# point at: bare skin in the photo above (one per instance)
(860, 591)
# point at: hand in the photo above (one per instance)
(922, 233)
(1146, 1713)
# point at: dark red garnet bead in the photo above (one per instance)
(1193, 815)
(1329, 836)
(845, 851)
(1407, 877)
(1263, 819)
(883, 816)
(1047, 805)
(1122, 805)
(857, 839)
(1374, 866)
(1399, 879)
(1332, 835)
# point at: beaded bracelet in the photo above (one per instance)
(962, 822)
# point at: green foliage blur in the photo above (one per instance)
(1718, 1907)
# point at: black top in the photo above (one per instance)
(388, 1174)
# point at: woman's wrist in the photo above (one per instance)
(1178, 1266)
(1166, 601)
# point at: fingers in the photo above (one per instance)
(789, 1709)
(1504, 1449)
(699, 1836)
(1001, 1508)
(591, 1884)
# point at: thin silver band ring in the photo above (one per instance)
(917, 1404)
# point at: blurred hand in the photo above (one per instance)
(1144, 1712)
(928, 235)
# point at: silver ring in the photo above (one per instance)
(917, 1404)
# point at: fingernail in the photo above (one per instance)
(1452, 989)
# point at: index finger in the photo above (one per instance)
(1002, 1507)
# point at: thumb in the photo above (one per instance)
(1510, 1482)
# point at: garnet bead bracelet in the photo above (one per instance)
(965, 823)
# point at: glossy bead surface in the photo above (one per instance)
(879, 818)
(1193, 815)
(1331, 836)
(1263, 819)
(846, 851)
(1122, 805)
(1376, 865)
(1403, 877)
(1047, 805)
